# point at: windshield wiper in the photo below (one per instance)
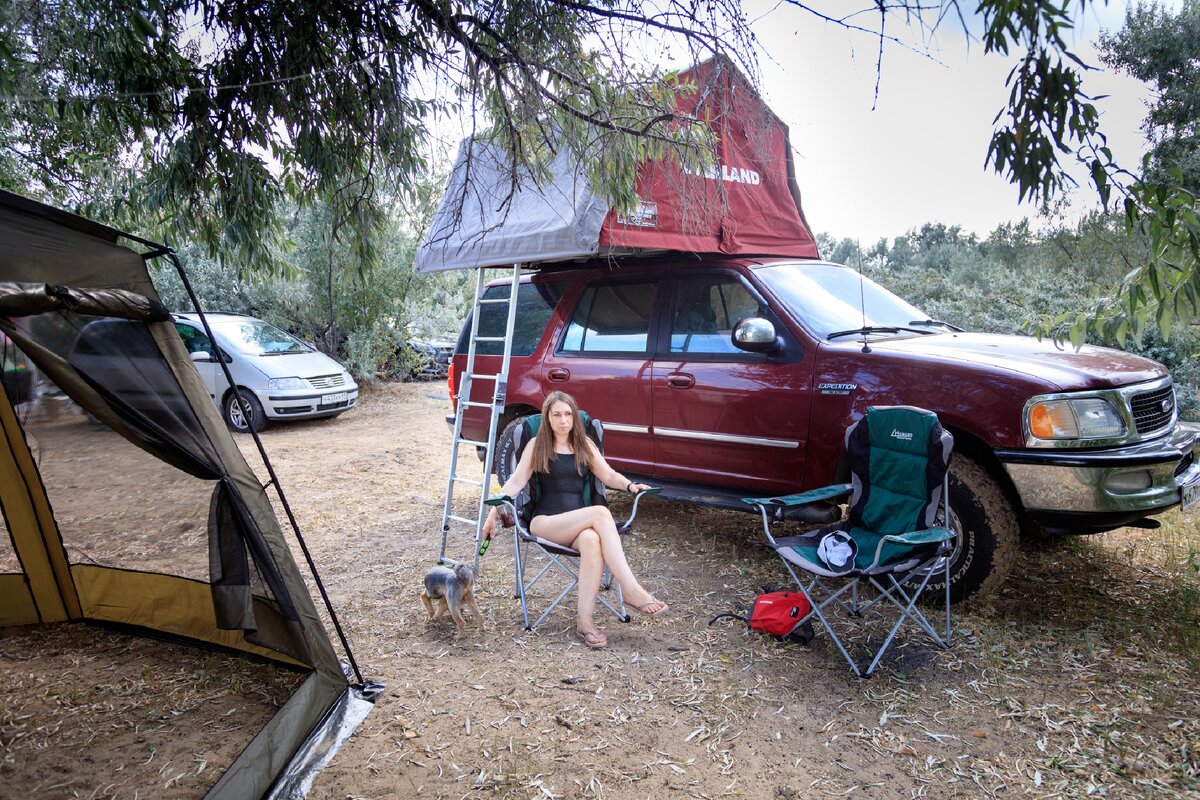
(869, 329)
(937, 322)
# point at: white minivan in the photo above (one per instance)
(279, 376)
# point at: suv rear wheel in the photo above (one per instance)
(505, 461)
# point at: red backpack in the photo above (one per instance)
(782, 614)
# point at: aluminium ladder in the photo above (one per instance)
(496, 406)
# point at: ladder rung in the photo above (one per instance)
(477, 404)
(467, 520)
(475, 375)
(489, 338)
(494, 300)
(468, 481)
(468, 441)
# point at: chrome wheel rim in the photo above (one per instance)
(235, 414)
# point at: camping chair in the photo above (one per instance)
(559, 558)
(892, 538)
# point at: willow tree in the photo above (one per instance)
(201, 119)
(197, 119)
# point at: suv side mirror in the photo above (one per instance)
(200, 355)
(755, 335)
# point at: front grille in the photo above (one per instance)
(327, 381)
(1153, 411)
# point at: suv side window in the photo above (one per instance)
(705, 312)
(611, 318)
(536, 301)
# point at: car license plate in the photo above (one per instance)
(330, 399)
(1189, 494)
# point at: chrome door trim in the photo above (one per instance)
(623, 428)
(727, 438)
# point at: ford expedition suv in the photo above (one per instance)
(726, 377)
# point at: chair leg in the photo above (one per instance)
(848, 598)
(519, 569)
(946, 558)
(908, 610)
(819, 606)
(566, 565)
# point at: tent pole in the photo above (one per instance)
(187, 285)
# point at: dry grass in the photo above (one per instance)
(1077, 680)
(97, 714)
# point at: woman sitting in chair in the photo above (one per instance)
(560, 455)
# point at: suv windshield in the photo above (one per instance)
(829, 299)
(253, 337)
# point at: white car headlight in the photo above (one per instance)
(286, 383)
(1081, 418)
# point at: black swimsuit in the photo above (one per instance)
(562, 487)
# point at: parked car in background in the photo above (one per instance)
(433, 357)
(279, 377)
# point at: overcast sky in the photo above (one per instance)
(918, 155)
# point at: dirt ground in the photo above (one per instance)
(1078, 679)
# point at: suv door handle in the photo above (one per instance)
(559, 374)
(680, 380)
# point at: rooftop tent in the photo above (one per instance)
(747, 204)
(142, 513)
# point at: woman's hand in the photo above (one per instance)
(489, 524)
(634, 488)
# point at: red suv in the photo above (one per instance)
(721, 377)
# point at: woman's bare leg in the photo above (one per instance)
(591, 564)
(565, 529)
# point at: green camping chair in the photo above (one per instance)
(893, 538)
(559, 559)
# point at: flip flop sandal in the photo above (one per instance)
(651, 614)
(593, 639)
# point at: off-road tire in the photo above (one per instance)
(236, 419)
(505, 459)
(988, 533)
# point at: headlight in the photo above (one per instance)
(1083, 418)
(285, 383)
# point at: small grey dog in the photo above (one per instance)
(452, 589)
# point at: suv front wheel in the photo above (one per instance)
(988, 533)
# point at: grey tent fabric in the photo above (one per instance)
(38, 241)
(484, 220)
(24, 299)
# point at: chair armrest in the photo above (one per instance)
(499, 501)
(912, 539)
(803, 498)
(637, 498)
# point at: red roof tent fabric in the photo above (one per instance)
(748, 204)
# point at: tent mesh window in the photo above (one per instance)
(113, 501)
(112, 495)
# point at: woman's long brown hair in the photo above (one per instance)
(543, 443)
